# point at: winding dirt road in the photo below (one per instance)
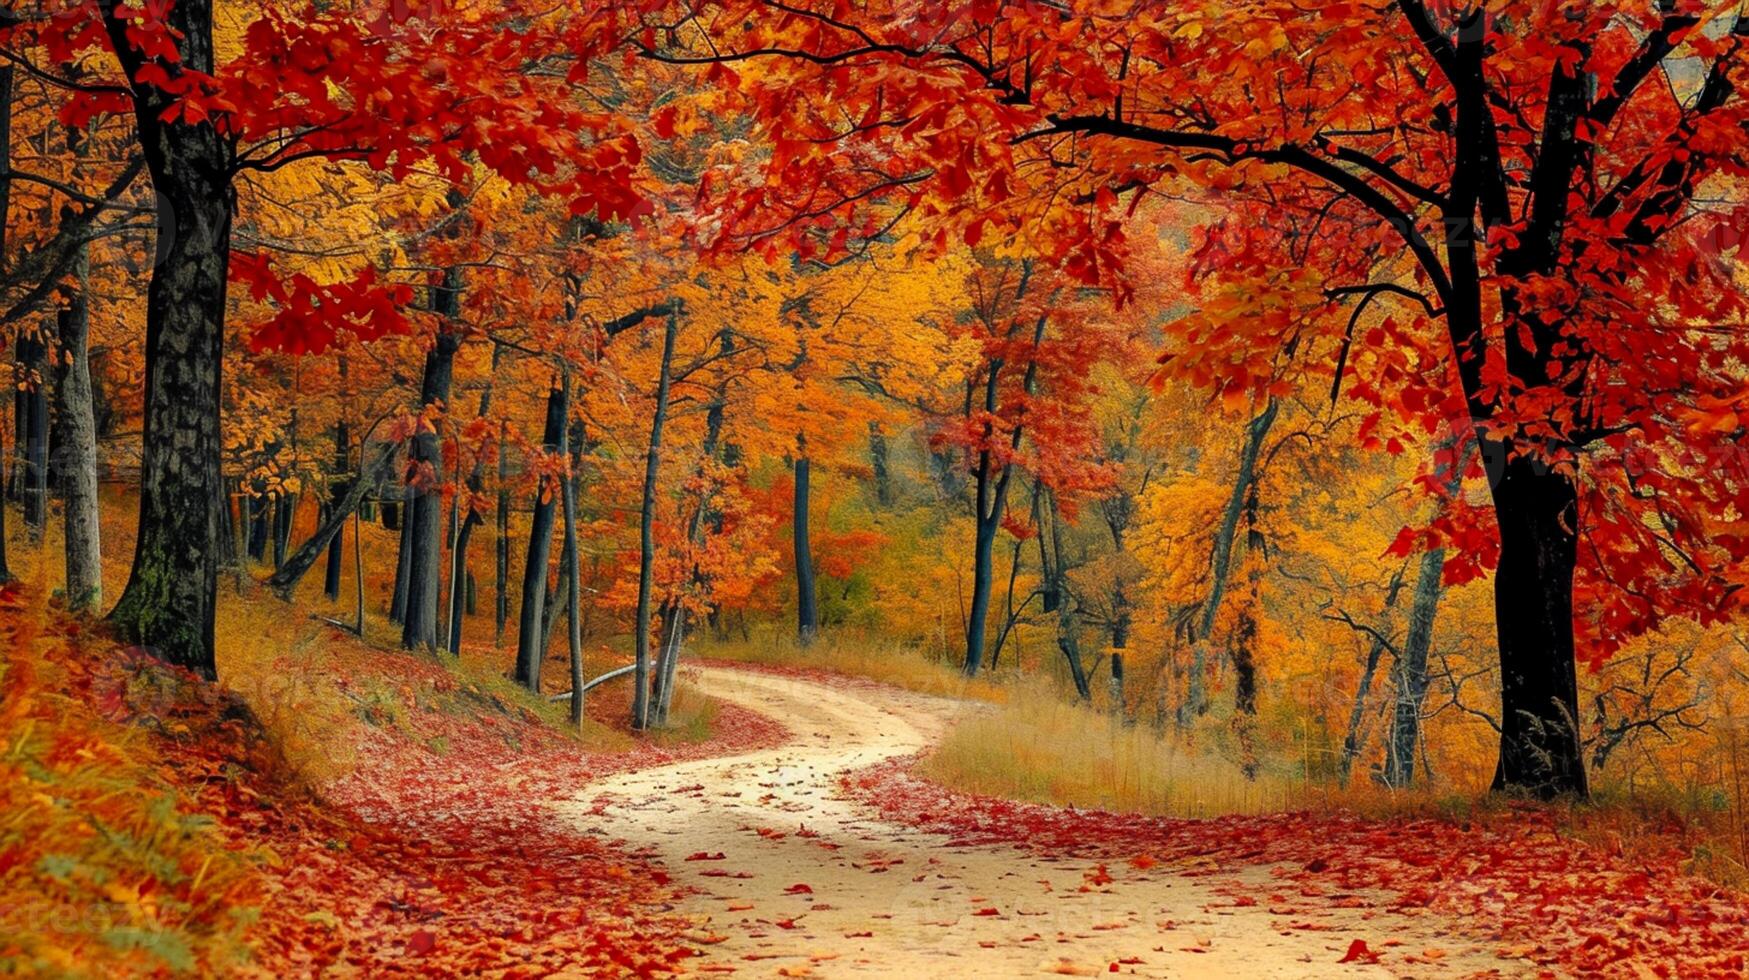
(790, 880)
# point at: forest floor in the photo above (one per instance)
(789, 875)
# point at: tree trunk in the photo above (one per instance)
(674, 614)
(573, 580)
(880, 458)
(1411, 673)
(33, 474)
(531, 631)
(76, 436)
(5, 223)
(646, 534)
(284, 507)
(807, 598)
(1538, 513)
(403, 554)
(304, 558)
(989, 503)
(459, 576)
(1220, 560)
(1056, 574)
(341, 489)
(425, 568)
(168, 605)
(501, 547)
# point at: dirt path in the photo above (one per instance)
(792, 881)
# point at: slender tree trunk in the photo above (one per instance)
(990, 501)
(983, 584)
(403, 555)
(1356, 714)
(1220, 561)
(1411, 673)
(1538, 514)
(169, 602)
(299, 563)
(76, 436)
(284, 506)
(35, 471)
(531, 632)
(807, 597)
(340, 491)
(880, 457)
(573, 581)
(6, 76)
(1057, 580)
(502, 544)
(425, 568)
(464, 534)
(674, 615)
(646, 534)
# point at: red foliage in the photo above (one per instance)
(1537, 893)
(420, 861)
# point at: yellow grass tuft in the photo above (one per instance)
(855, 654)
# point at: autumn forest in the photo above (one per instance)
(874, 487)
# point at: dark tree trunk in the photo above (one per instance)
(460, 593)
(1538, 513)
(646, 534)
(5, 223)
(990, 501)
(342, 487)
(168, 605)
(403, 558)
(76, 436)
(807, 596)
(531, 628)
(572, 450)
(299, 563)
(674, 613)
(1411, 673)
(284, 507)
(1220, 560)
(425, 567)
(1056, 575)
(880, 456)
(983, 584)
(501, 550)
(258, 520)
(33, 474)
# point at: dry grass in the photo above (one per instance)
(856, 655)
(1041, 748)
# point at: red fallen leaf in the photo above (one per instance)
(702, 856)
(1359, 953)
(798, 889)
(859, 935)
(785, 923)
(1096, 878)
(421, 942)
(1143, 862)
(1244, 901)
(986, 912)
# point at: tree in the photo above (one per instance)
(1539, 195)
(199, 124)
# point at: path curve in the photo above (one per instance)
(790, 880)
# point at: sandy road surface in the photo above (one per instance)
(810, 885)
